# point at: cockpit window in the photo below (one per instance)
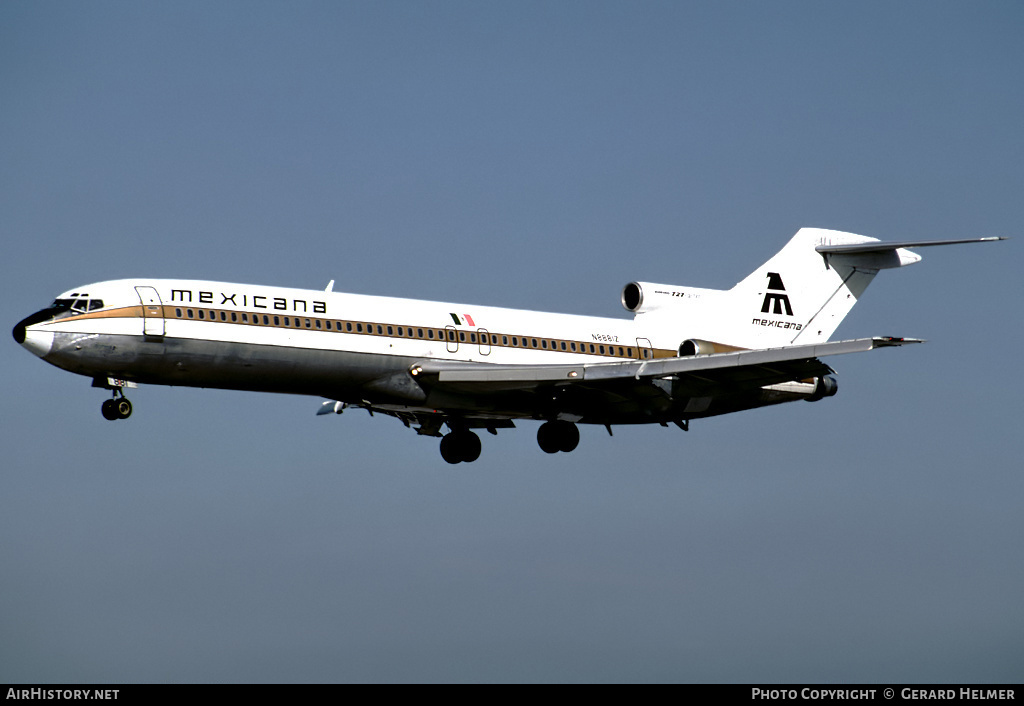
(66, 307)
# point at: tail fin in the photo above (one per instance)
(800, 295)
(804, 291)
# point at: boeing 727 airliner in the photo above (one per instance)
(687, 353)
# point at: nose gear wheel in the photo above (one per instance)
(116, 408)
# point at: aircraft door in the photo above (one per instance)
(152, 312)
(451, 337)
(646, 350)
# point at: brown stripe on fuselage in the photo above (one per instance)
(372, 328)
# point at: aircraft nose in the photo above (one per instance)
(38, 342)
(19, 331)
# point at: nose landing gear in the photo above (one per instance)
(114, 408)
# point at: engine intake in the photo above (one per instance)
(695, 346)
(642, 297)
(632, 296)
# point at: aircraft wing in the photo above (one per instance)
(761, 367)
(488, 396)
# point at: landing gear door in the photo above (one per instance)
(152, 312)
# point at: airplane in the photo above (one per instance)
(688, 353)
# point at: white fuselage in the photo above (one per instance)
(238, 336)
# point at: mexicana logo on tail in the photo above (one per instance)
(775, 286)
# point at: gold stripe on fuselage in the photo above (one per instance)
(449, 335)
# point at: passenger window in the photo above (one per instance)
(177, 312)
(286, 321)
(234, 316)
(391, 331)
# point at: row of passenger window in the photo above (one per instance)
(448, 335)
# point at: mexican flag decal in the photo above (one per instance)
(466, 320)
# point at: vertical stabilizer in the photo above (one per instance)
(799, 295)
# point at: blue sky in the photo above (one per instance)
(535, 155)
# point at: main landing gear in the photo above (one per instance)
(463, 446)
(558, 436)
(116, 408)
(460, 446)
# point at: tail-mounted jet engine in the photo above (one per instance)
(695, 346)
(645, 297)
(641, 297)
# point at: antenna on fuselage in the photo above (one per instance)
(330, 286)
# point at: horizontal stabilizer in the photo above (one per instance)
(880, 247)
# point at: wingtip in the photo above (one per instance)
(884, 341)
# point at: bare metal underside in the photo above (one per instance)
(386, 384)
